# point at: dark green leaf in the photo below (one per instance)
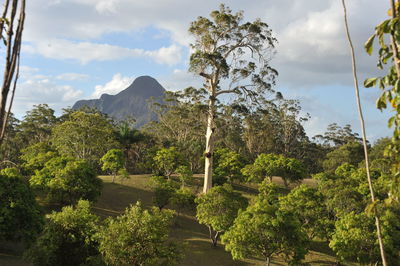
(370, 82)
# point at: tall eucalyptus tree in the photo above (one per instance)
(233, 58)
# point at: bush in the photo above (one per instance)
(66, 180)
(68, 238)
(139, 237)
(183, 199)
(164, 190)
(20, 215)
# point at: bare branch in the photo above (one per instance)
(361, 117)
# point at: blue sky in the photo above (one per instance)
(79, 49)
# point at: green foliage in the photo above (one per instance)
(308, 204)
(183, 199)
(352, 153)
(379, 156)
(389, 30)
(269, 191)
(223, 41)
(112, 161)
(11, 146)
(20, 215)
(164, 191)
(228, 164)
(36, 155)
(181, 120)
(355, 237)
(139, 237)
(218, 208)
(123, 174)
(185, 175)
(269, 165)
(167, 160)
(37, 124)
(84, 136)
(146, 163)
(69, 238)
(266, 230)
(67, 180)
(346, 190)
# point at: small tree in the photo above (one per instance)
(164, 191)
(167, 160)
(269, 165)
(185, 175)
(123, 174)
(69, 238)
(228, 164)
(20, 214)
(218, 209)
(139, 237)
(112, 161)
(67, 180)
(266, 230)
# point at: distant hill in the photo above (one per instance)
(131, 102)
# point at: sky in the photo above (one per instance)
(80, 49)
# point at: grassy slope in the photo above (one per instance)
(117, 196)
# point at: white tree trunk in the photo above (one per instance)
(208, 154)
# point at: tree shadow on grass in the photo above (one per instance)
(321, 247)
(11, 254)
(115, 198)
(200, 252)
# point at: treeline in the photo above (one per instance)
(274, 126)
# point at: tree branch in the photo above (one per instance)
(225, 91)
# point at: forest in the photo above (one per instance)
(226, 174)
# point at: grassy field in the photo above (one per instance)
(198, 250)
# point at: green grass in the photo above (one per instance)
(116, 197)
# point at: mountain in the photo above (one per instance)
(131, 102)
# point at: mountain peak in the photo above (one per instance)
(131, 102)
(144, 85)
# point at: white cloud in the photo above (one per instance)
(72, 76)
(115, 85)
(180, 79)
(34, 91)
(312, 50)
(166, 55)
(86, 52)
(27, 71)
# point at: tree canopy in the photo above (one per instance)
(139, 237)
